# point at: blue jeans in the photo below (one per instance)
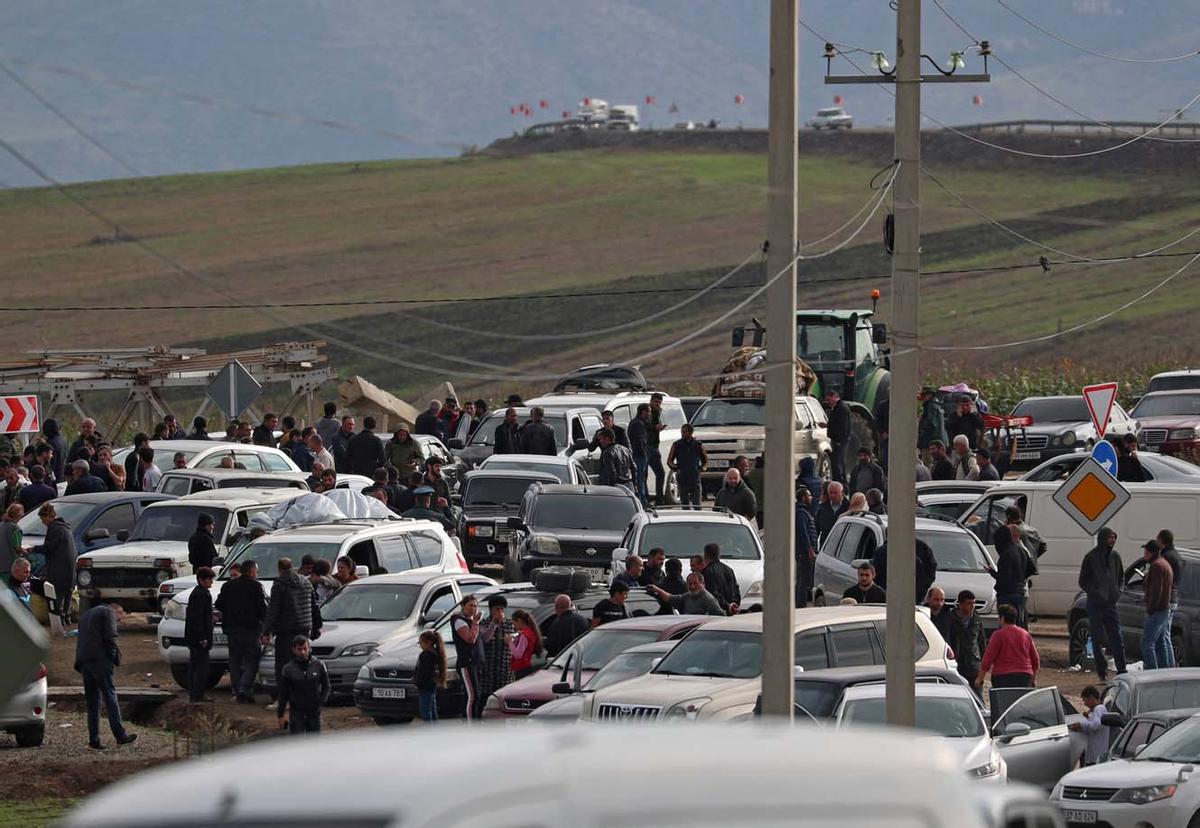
(1155, 633)
(98, 688)
(641, 464)
(427, 705)
(1174, 608)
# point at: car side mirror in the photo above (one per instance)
(561, 688)
(361, 571)
(580, 444)
(455, 444)
(123, 535)
(515, 522)
(1112, 720)
(1014, 730)
(797, 671)
(619, 555)
(96, 534)
(431, 617)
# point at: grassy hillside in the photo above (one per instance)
(603, 222)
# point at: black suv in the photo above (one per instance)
(488, 498)
(1131, 607)
(568, 525)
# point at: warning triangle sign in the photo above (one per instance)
(1100, 399)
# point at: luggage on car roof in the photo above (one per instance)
(561, 579)
(603, 378)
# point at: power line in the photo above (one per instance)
(1093, 52)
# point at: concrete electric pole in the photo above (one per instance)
(779, 484)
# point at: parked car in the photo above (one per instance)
(1149, 789)
(962, 561)
(488, 497)
(181, 482)
(566, 469)
(817, 693)
(557, 524)
(832, 117)
(1158, 468)
(131, 573)
(586, 656)
(949, 713)
(368, 613)
(634, 662)
(98, 520)
(384, 688)
(573, 430)
(948, 505)
(1063, 425)
(1185, 380)
(1143, 729)
(716, 672)
(208, 454)
(682, 533)
(1169, 423)
(940, 487)
(1145, 691)
(383, 546)
(24, 715)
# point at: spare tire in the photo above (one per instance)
(561, 579)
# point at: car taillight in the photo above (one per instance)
(471, 530)
(850, 373)
(950, 652)
(462, 562)
(83, 563)
(42, 672)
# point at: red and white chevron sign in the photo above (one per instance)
(19, 414)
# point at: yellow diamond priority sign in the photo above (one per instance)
(1091, 496)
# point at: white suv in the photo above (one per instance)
(132, 573)
(716, 672)
(381, 546)
(682, 533)
(833, 117)
(208, 454)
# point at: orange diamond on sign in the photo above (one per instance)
(1091, 497)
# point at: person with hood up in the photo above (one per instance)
(1011, 569)
(291, 611)
(808, 478)
(403, 451)
(55, 439)
(1100, 576)
(736, 496)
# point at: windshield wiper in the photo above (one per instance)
(1165, 759)
(706, 675)
(357, 618)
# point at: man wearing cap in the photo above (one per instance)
(202, 550)
(1156, 636)
(986, 468)
(424, 510)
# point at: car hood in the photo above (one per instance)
(972, 752)
(138, 552)
(537, 686)
(402, 651)
(1170, 421)
(1123, 773)
(566, 708)
(746, 572)
(664, 690)
(703, 433)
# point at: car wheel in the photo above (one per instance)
(384, 721)
(179, 672)
(32, 736)
(1194, 822)
(671, 490)
(1077, 642)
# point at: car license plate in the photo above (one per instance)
(220, 640)
(597, 575)
(1029, 455)
(387, 692)
(1073, 815)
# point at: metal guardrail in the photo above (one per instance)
(1169, 129)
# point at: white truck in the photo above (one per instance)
(625, 117)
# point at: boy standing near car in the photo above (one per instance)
(1093, 726)
(198, 632)
(966, 637)
(303, 687)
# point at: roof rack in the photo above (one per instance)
(720, 510)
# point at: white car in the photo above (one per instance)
(634, 662)
(833, 117)
(208, 454)
(682, 533)
(382, 546)
(947, 713)
(1157, 787)
(24, 715)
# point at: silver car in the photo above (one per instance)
(24, 715)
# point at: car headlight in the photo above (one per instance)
(686, 711)
(983, 771)
(1146, 795)
(492, 703)
(544, 545)
(1181, 434)
(175, 610)
(1068, 439)
(366, 648)
(481, 530)
(84, 578)
(755, 590)
(1056, 792)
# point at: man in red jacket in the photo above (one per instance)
(1011, 656)
(1156, 632)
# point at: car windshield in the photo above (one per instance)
(950, 717)
(175, 522)
(817, 697)
(716, 654)
(1180, 382)
(560, 470)
(266, 553)
(600, 646)
(1178, 744)
(1060, 468)
(738, 542)
(31, 525)
(495, 491)
(951, 510)
(581, 511)
(955, 551)
(829, 112)
(1168, 695)
(485, 435)
(1054, 410)
(730, 413)
(820, 342)
(371, 602)
(1168, 405)
(624, 666)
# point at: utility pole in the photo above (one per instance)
(905, 357)
(779, 479)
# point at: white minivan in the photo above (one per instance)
(1152, 507)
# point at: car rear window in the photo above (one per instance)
(1169, 695)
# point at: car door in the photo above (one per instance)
(826, 572)
(1043, 755)
(854, 645)
(842, 574)
(427, 549)
(804, 445)
(117, 518)
(393, 554)
(1131, 609)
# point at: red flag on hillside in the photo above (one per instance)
(650, 100)
(739, 99)
(544, 104)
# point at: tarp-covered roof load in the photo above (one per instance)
(743, 375)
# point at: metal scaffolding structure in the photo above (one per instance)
(60, 377)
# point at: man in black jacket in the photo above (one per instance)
(536, 436)
(340, 447)
(720, 580)
(866, 591)
(202, 549)
(366, 450)
(619, 435)
(568, 624)
(243, 606)
(134, 471)
(304, 688)
(198, 633)
(830, 510)
(428, 422)
(639, 435)
(292, 611)
(507, 437)
(1012, 569)
(966, 638)
(96, 656)
(839, 433)
(926, 568)
(1100, 577)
